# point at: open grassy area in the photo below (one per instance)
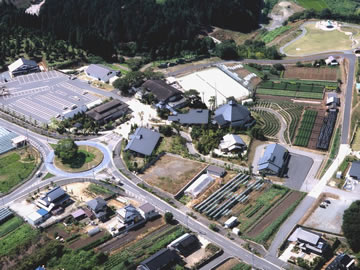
(15, 166)
(270, 36)
(88, 158)
(14, 240)
(317, 40)
(312, 4)
(10, 225)
(98, 189)
(355, 145)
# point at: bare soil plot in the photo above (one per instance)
(306, 73)
(274, 214)
(172, 173)
(82, 242)
(228, 264)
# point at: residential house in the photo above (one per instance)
(354, 171)
(274, 160)
(23, 66)
(309, 242)
(78, 214)
(128, 215)
(161, 260)
(143, 141)
(215, 171)
(233, 114)
(193, 117)
(99, 208)
(108, 111)
(53, 199)
(232, 144)
(199, 185)
(332, 98)
(38, 217)
(185, 244)
(331, 60)
(100, 73)
(147, 211)
(163, 92)
(342, 262)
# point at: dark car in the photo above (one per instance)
(327, 201)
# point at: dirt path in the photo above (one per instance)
(281, 12)
(274, 214)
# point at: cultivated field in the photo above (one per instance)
(305, 73)
(316, 129)
(355, 145)
(213, 83)
(317, 40)
(313, 4)
(305, 130)
(172, 173)
(270, 124)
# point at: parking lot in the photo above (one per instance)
(46, 95)
(331, 216)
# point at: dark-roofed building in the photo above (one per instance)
(100, 73)
(5, 214)
(216, 170)
(128, 215)
(185, 244)
(342, 262)
(309, 241)
(193, 117)
(53, 199)
(23, 66)
(233, 114)
(355, 170)
(143, 141)
(78, 214)
(108, 111)
(162, 91)
(161, 260)
(99, 207)
(274, 160)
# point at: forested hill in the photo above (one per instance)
(163, 27)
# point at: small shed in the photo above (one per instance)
(231, 222)
(34, 218)
(94, 231)
(78, 214)
(215, 170)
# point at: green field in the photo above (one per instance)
(13, 170)
(284, 93)
(305, 129)
(13, 241)
(10, 225)
(270, 124)
(270, 36)
(313, 4)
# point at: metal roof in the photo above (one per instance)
(53, 195)
(100, 72)
(127, 211)
(42, 212)
(78, 213)
(143, 141)
(160, 259)
(107, 109)
(199, 185)
(355, 169)
(21, 61)
(194, 116)
(6, 137)
(212, 169)
(305, 236)
(96, 204)
(273, 158)
(232, 113)
(5, 213)
(147, 207)
(161, 90)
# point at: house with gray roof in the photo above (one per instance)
(108, 111)
(232, 143)
(354, 171)
(274, 160)
(193, 117)
(23, 66)
(342, 262)
(143, 141)
(100, 73)
(99, 207)
(54, 198)
(309, 241)
(162, 91)
(161, 260)
(128, 215)
(233, 114)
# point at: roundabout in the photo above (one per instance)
(92, 163)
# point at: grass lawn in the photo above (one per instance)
(312, 4)
(355, 116)
(48, 175)
(98, 189)
(174, 144)
(317, 40)
(15, 166)
(88, 158)
(356, 142)
(14, 240)
(10, 225)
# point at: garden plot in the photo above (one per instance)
(305, 129)
(306, 73)
(213, 83)
(171, 173)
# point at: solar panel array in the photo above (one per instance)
(5, 213)
(5, 140)
(326, 131)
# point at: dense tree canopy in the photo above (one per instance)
(66, 149)
(351, 225)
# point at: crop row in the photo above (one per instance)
(305, 129)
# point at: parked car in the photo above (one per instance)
(327, 201)
(323, 205)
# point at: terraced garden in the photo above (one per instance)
(270, 124)
(305, 129)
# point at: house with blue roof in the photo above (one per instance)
(274, 160)
(234, 115)
(143, 141)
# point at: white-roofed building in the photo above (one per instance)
(232, 143)
(23, 66)
(19, 141)
(231, 222)
(199, 185)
